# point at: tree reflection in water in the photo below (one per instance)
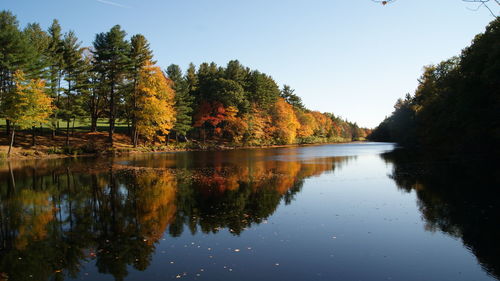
(63, 214)
(456, 196)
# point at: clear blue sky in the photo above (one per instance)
(353, 57)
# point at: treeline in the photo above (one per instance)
(47, 76)
(456, 106)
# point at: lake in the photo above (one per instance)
(357, 211)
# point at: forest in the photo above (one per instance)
(54, 89)
(456, 106)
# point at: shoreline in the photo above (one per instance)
(21, 154)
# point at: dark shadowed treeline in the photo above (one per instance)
(48, 79)
(458, 197)
(456, 106)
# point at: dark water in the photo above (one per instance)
(332, 212)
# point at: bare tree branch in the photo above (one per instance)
(481, 3)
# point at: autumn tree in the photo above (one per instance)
(155, 111)
(28, 104)
(285, 122)
(308, 124)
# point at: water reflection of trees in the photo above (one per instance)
(63, 214)
(456, 196)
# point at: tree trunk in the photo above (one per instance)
(33, 136)
(133, 114)
(129, 131)
(13, 131)
(73, 127)
(67, 132)
(53, 130)
(111, 130)
(136, 138)
(112, 114)
(168, 139)
(93, 123)
(7, 127)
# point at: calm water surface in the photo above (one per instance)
(331, 212)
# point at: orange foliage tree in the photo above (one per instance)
(285, 122)
(222, 122)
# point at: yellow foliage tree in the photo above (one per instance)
(155, 202)
(308, 124)
(324, 125)
(35, 212)
(259, 124)
(285, 122)
(28, 104)
(155, 111)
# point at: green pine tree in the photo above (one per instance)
(140, 54)
(183, 101)
(112, 63)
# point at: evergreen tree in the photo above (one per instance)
(288, 94)
(112, 63)
(92, 98)
(56, 66)
(192, 81)
(38, 40)
(236, 72)
(14, 55)
(140, 54)
(183, 101)
(72, 106)
(264, 91)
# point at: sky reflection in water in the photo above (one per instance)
(332, 212)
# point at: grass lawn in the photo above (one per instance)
(81, 140)
(83, 125)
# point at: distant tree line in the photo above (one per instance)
(456, 105)
(46, 76)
